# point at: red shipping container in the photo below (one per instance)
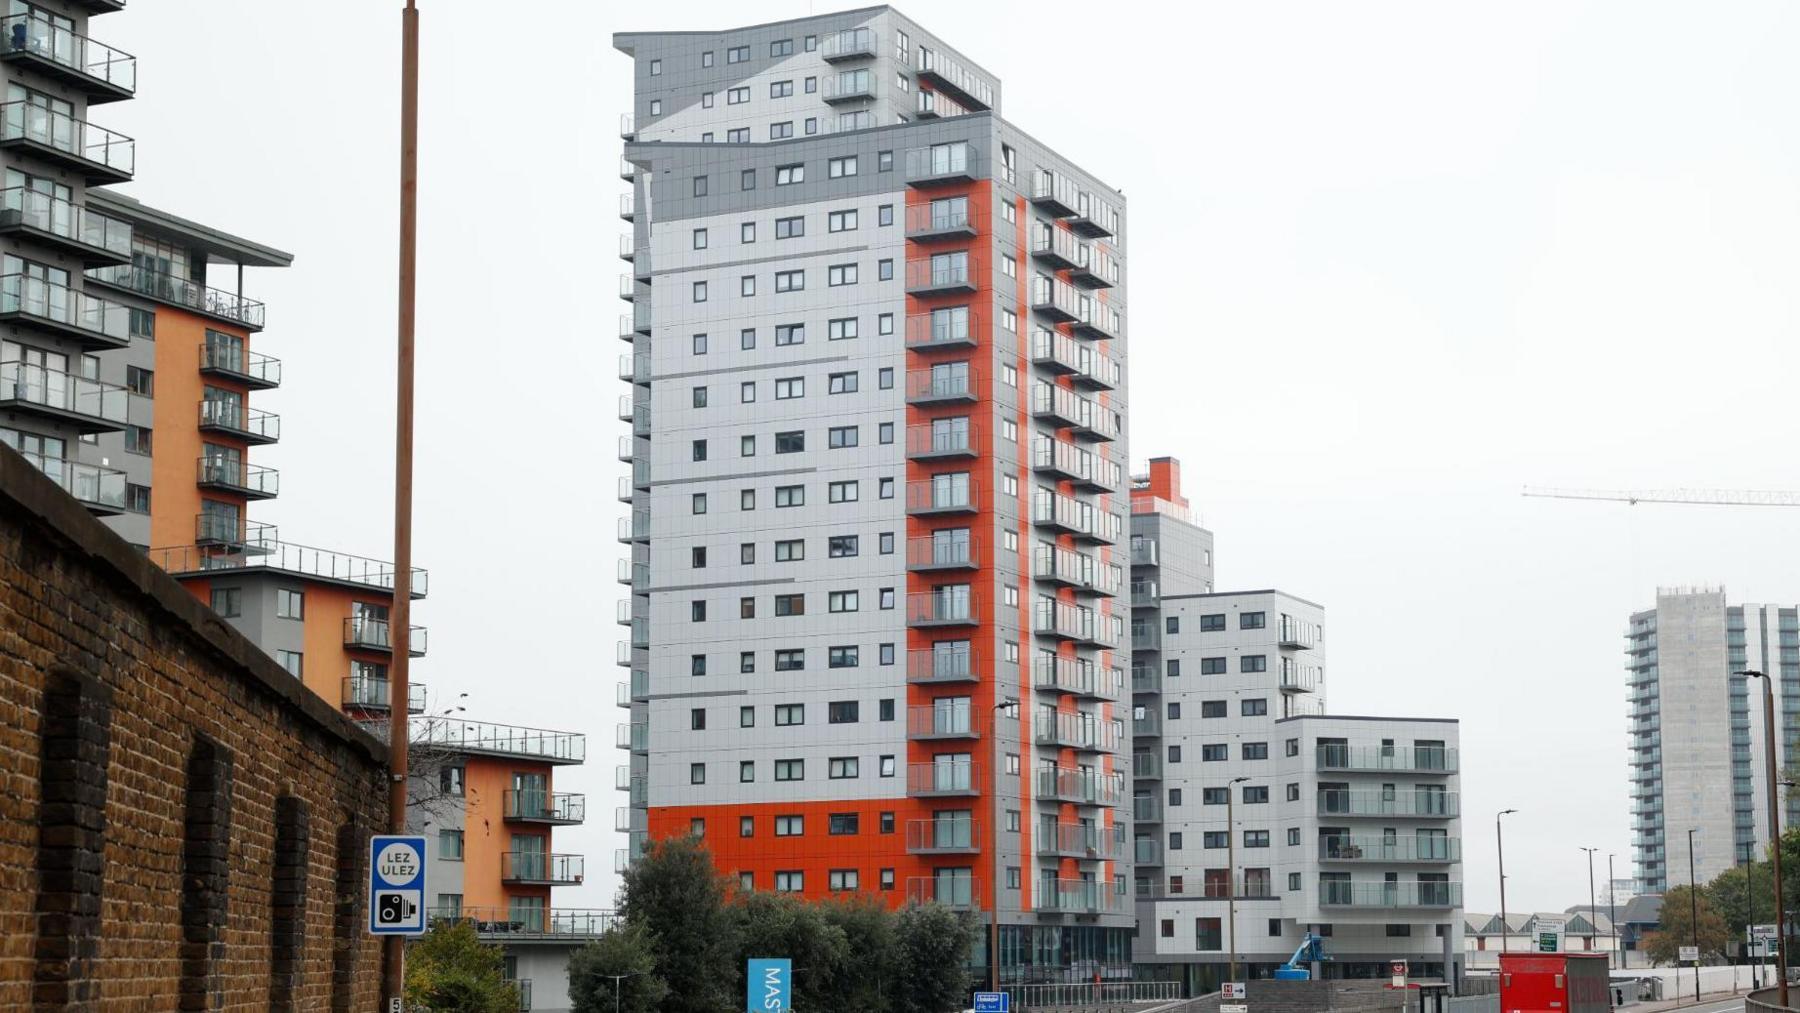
(1555, 983)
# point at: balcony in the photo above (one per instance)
(1077, 897)
(634, 736)
(1298, 679)
(849, 44)
(932, 105)
(943, 837)
(1078, 570)
(376, 695)
(1390, 895)
(954, 779)
(929, 497)
(960, 893)
(932, 276)
(485, 738)
(929, 667)
(94, 322)
(1146, 766)
(949, 220)
(1055, 247)
(928, 441)
(1437, 850)
(941, 164)
(950, 76)
(1054, 299)
(943, 330)
(627, 126)
(1295, 635)
(322, 564)
(928, 553)
(97, 154)
(240, 422)
(101, 490)
(1098, 319)
(1083, 732)
(1098, 371)
(929, 722)
(1382, 759)
(1144, 552)
(1147, 725)
(1147, 851)
(556, 809)
(1096, 268)
(1146, 809)
(628, 206)
(495, 924)
(1054, 192)
(234, 363)
(88, 406)
(1145, 594)
(1379, 804)
(1145, 678)
(247, 480)
(181, 293)
(1076, 676)
(368, 634)
(65, 226)
(1080, 787)
(1079, 840)
(1094, 217)
(928, 608)
(100, 72)
(539, 869)
(927, 386)
(850, 86)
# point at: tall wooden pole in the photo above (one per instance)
(400, 616)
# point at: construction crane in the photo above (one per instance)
(1688, 497)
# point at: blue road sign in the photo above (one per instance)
(991, 1002)
(396, 885)
(768, 984)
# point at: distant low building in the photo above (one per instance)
(1485, 936)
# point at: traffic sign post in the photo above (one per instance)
(768, 984)
(1550, 934)
(992, 1002)
(1690, 954)
(1232, 990)
(396, 885)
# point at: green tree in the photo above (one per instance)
(674, 893)
(783, 925)
(1677, 927)
(627, 949)
(1743, 895)
(863, 982)
(932, 958)
(450, 970)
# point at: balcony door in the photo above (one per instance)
(529, 858)
(531, 794)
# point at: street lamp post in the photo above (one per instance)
(1694, 913)
(1231, 870)
(1500, 851)
(1781, 962)
(1612, 911)
(1750, 911)
(999, 860)
(618, 981)
(1591, 905)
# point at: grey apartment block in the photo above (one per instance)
(1697, 733)
(54, 405)
(876, 368)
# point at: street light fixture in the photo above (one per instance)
(1781, 962)
(617, 979)
(1231, 869)
(1500, 850)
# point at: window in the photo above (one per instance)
(1172, 624)
(696, 773)
(884, 161)
(450, 845)
(1256, 794)
(656, 107)
(699, 344)
(1009, 266)
(841, 601)
(293, 661)
(781, 47)
(747, 395)
(843, 166)
(698, 503)
(697, 611)
(697, 664)
(1175, 753)
(290, 604)
(655, 67)
(1212, 666)
(838, 438)
(795, 770)
(737, 135)
(843, 880)
(790, 496)
(790, 882)
(1212, 623)
(699, 291)
(1253, 663)
(1214, 752)
(1251, 621)
(781, 89)
(1215, 796)
(1215, 839)
(737, 96)
(790, 281)
(1256, 751)
(887, 769)
(1291, 747)
(845, 824)
(788, 388)
(699, 450)
(789, 228)
(845, 657)
(747, 232)
(840, 274)
(699, 239)
(841, 329)
(747, 824)
(841, 546)
(1207, 934)
(747, 285)
(1173, 667)
(841, 221)
(843, 492)
(746, 717)
(789, 605)
(884, 269)
(788, 175)
(790, 550)
(1256, 838)
(884, 378)
(228, 602)
(1256, 707)
(1175, 841)
(884, 434)
(842, 768)
(790, 442)
(747, 339)
(790, 826)
(699, 397)
(699, 186)
(886, 541)
(139, 380)
(791, 659)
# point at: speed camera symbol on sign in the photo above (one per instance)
(396, 885)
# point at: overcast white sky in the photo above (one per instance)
(1389, 261)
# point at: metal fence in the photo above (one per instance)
(1091, 995)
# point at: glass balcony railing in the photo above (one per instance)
(377, 694)
(926, 552)
(952, 836)
(925, 496)
(1390, 849)
(535, 806)
(541, 869)
(927, 275)
(928, 665)
(849, 44)
(1078, 896)
(935, 104)
(300, 559)
(940, 163)
(90, 404)
(940, 220)
(1423, 804)
(236, 476)
(183, 293)
(927, 385)
(930, 440)
(104, 156)
(373, 635)
(96, 487)
(928, 608)
(1080, 840)
(930, 721)
(952, 76)
(1080, 786)
(1389, 895)
(1434, 758)
(943, 329)
(256, 371)
(72, 223)
(64, 308)
(240, 420)
(233, 532)
(504, 923)
(1082, 732)
(962, 893)
(111, 72)
(946, 778)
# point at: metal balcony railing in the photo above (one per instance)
(926, 496)
(952, 778)
(102, 155)
(952, 836)
(488, 738)
(181, 292)
(513, 923)
(540, 868)
(1390, 895)
(373, 635)
(849, 44)
(1424, 759)
(64, 308)
(1080, 840)
(1082, 787)
(235, 418)
(95, 487)
(533, 806)
(300, 559)
(72, 223)
(112, 73)
(962, 893)
(928, 666)
(376, 694)
(940, 163)
(926, 552)
(926, 440)
(89, 404)
(929, 721)
(1390, 849)
(249, 368)
(943, 329)
(1424, 804)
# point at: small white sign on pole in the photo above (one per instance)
(1232, 990)
(1690, 954)
(1228, 1007)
